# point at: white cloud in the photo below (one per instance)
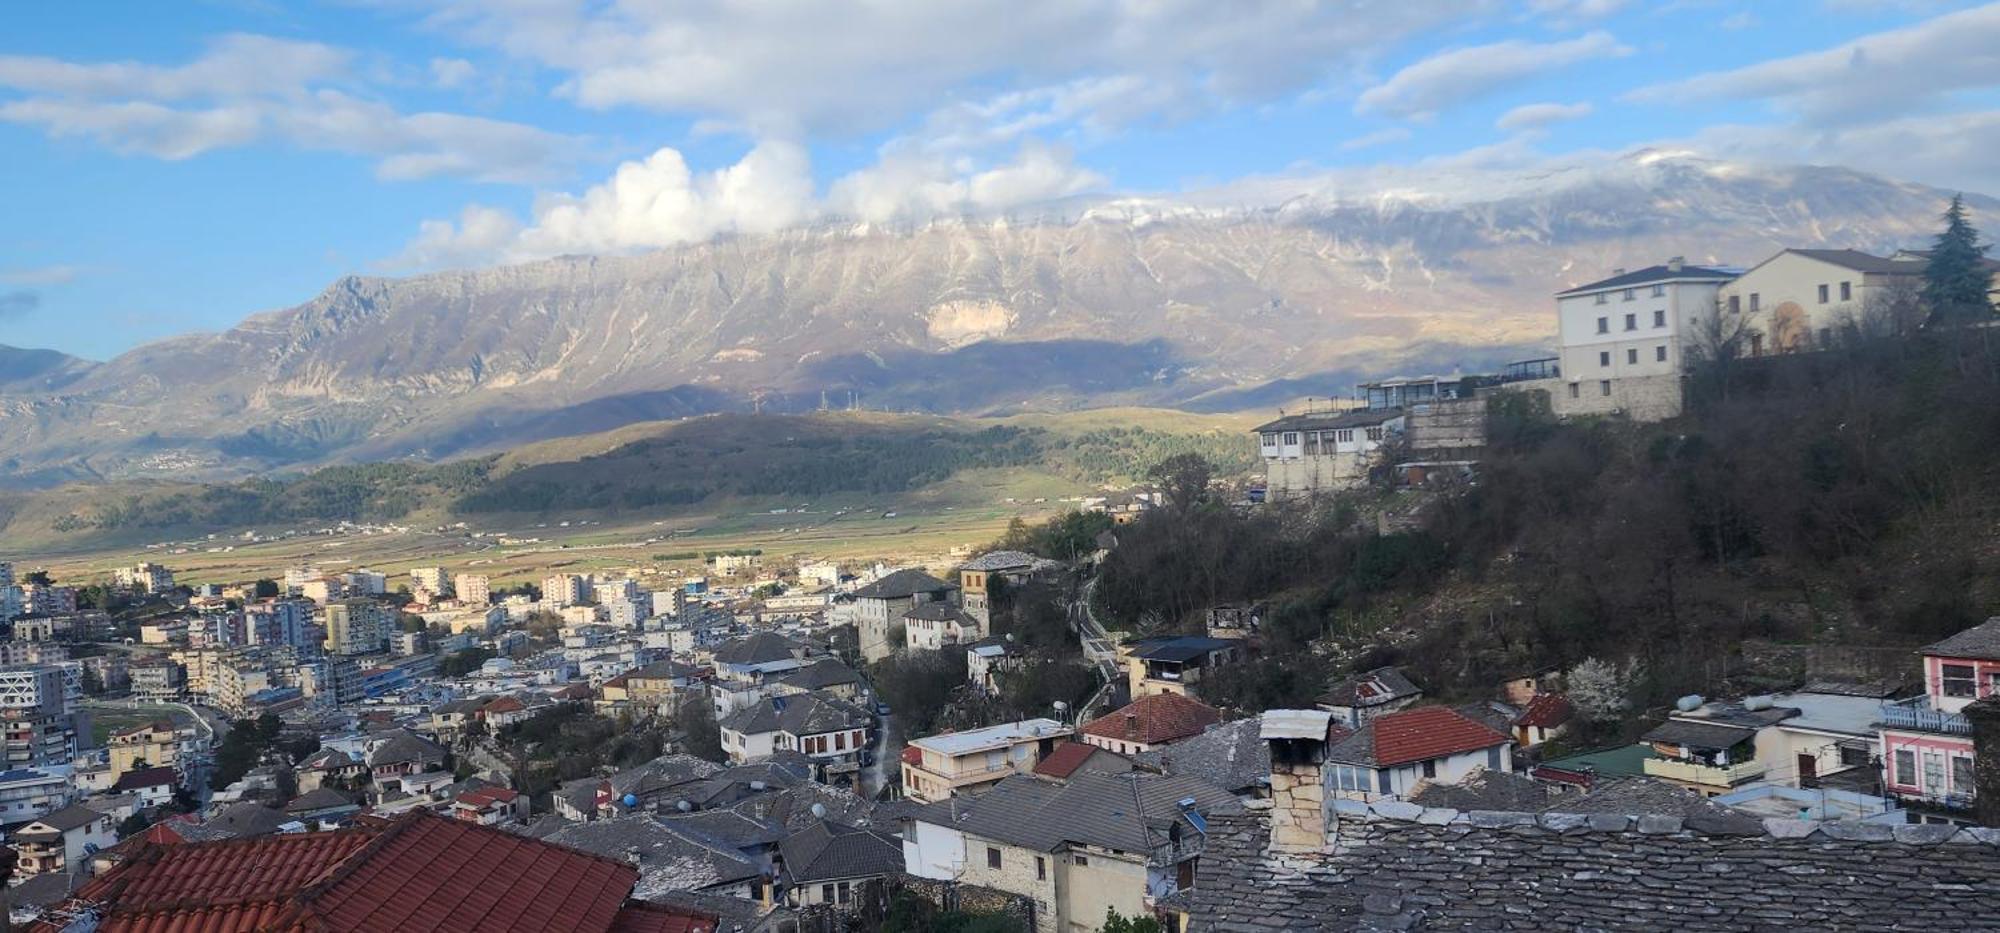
(1394, 134)
(1435, 83)
(247, 89)
(1570, 10)
(452, 72)
(1951, 151)
(913, 186)
(41, 275)
(1886, 75)
(1539, 116)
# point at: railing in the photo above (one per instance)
(1694, 772)
(1924, 719)
(1190, 846)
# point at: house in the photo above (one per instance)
(661, 684)
(1230, 755)
(1369, 694)
(1234, 620)
(955, 764)
(1072, 758)
(1395, 865)
(1806, 738)
(1926, 745)
(1075, 848)
(400, 752)
(1623, 341)
(822, 728)
(1800, 299)
(325, 806)
(979, 577)
(990, 656)
(934, 626)
(1707, 757)
(490, 806)
(501, 712)
(826, 676)
(449, 720)
(1542, 719)
(1148, 723)
(329, 765)
(748, 669)
(667, 860)
(1390, 754)
(155, 786)
(155, 744)
(62, 841)
(26, 793)
(637, 787)
(880, 606)
(417, 873)
(839, 867)
(1173, 663)
(1318, 452)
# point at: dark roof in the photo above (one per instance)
(902, 585)
(1231, 755)
(1153, 720)
(729, 827)
(1703, 735)
(416, 873)
(1069, 757)
(760, 648)
(665, 670)
(1330, 420)
(1644, 796)
(798, 714)
(323, 798)
(669, 860)
(1417, 734)
(246, 819)
(792, 808)
(1178, 647)
(1494, 871)
(69, 817)
(826, 673)
(1132, 811)
(1485, 789)
(146, 777)
(828, 851)
(938, 610)
(645, 917)
(1371, 688)
(1864, 262)
(1981, 641)
(403, 746)
(1650, 275)
(1002, 560)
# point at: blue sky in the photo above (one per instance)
(175, 167)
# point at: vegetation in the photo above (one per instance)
(918, 685)
(570, 742)
(1069, 536)
(909, 913)
(461, 663)
(1957, 284)
(246, 744)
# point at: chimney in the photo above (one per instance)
(1985, 717)
(1297, 738)
(632, 854)
(1675, 264)
(1618, 271)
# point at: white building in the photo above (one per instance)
(473, 588)
(1319, 452)
(1800, 298)
(145, 577)
(27, 793)
(563, 589)
(1624, 341)
(1391, 754)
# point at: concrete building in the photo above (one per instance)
(563, 589)
(940, 766)
(358, 626)
(880, 606)
(1624, 340)
(158, 680)
(1318, 452)
(145, 577)
(475, 589)
(433, 580)
(1173, 663)
(28, 793)
(1801, 298)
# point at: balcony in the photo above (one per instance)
(1924, 719)
(1694, 772)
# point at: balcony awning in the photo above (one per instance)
(1706, 736)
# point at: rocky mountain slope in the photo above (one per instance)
(1191, 304)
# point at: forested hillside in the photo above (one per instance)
(1849, 497)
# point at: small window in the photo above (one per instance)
(1312, 443)
(1291, 438)
(1660, 353)
(1659, 291)
(1958, 680)
(1961, 774)
(826, 894)
(1906, 768)
(1602, 298)
(1374, 434)
(1604, 387)
(1493, 758)
(1344, 435)
(1660, 318)
(1823, 297)
(1270, 440)
(1575, 390)
(1604, 325)
(845, 891)
(1735, 304)
(1631, 322)
(1382, 781)
(1430, 768)
(1847, 291)
(1755, 303)
(1041, 869)
(1082, 860)
(992, 857)
(1631, 355)
(1631, 294)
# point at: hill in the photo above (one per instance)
(1187, 303)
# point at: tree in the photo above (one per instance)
(1184, 480)
(1957, 284)
(461, 663)
(133, 825)
(266, 589)
(700, 736)
(1113, 923)
(1601, 691)
(38, 578)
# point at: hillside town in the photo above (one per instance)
(794, 743)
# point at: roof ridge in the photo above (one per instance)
(1557, 822)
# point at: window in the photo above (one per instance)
(1430, 768)
(1823, 297)
(1602, 298)
(1631, 355)
(1660, 318)
(992, 857)
(1631, 294)
(1604, 387)
(1082, 860)
(1853, 757)
(1604, 358)
(1631, 322)
(1382, 781)
(845, 890)
(839, 741)
(1041, 869)
(1847, 291)
(1270, 440)
(1660, 353)
(1906, 768)
(1754, 302)
(1958, 680)
(1374, 434)
(1312, 443)
(826, 894)
(1344, 435)
(1659, 291)
(1961, 774)
(1604, 325)
(1575, 390)
(1735, 304)
(1291, 438)
(1493, 758)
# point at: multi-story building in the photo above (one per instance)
(324, 590)
(40, 727)
(880, 606)
(1624, 340)
(1322, 451)
(474, 589)
(433, 580)
(276, 622)
(28, 793)
(44, 599)
(158, 680)
(63, 841)
(297, 578)
(941, 766)
(1926, 742)
(1173, 663)
(978, 576)
(1800, 298)
(365, 582)
(358, 626)
(145, 577)
(158, 744)
(563, 589)
(10, 594)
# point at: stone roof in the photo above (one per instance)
(668, 860)
(827, 851)
(820, 675)
(760, 648)
(798, 714)
(1002, 560)
(729, 827)
(404, 746)
(1399, 866)
(1485, 789)
(1230, 755)
(1371, 688)
(1133, 812)
(902, 585)
(938, 610)
(1981, 641)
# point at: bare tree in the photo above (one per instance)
(1715, 348)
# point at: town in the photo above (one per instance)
(791, 743)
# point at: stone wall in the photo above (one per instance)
(1640, 398)
(1298, 807)
(1439, 430)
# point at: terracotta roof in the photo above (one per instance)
(1426, 732)
(417, 873)
(488, 795)
(1162, 717)
(1064, 761)
(505, 705)
(1546, 710)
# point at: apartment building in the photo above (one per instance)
(1625, 339)
(358, 626)
(957, 763)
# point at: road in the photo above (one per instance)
(1097, 649)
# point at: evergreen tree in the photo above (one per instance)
(1957, 283)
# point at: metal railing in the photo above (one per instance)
(1924, 719)
(1694, 772)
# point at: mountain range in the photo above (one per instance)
(1193, 303)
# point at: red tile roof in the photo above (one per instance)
(1427, 732)
(488, 795)
(1064, 761)
(1162, 717)
(414, 874)
(1546, 710)
(913, 755)
(641, 917)
(505, 705)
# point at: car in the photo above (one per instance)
(881, 709)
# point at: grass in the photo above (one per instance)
(105, 720)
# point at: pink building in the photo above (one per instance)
(1927, 741)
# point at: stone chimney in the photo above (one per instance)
(1675, 264)
(1618, 271)
(1985, 716)
(1297, 738)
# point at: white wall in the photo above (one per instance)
(933, 851)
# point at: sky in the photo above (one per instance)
(174, 167)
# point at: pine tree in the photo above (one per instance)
(1957, 283)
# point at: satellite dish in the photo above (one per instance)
(683, 806)
(1061, 705)
(819, 811)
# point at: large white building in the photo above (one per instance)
(1798, 299)
(1625, 340)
